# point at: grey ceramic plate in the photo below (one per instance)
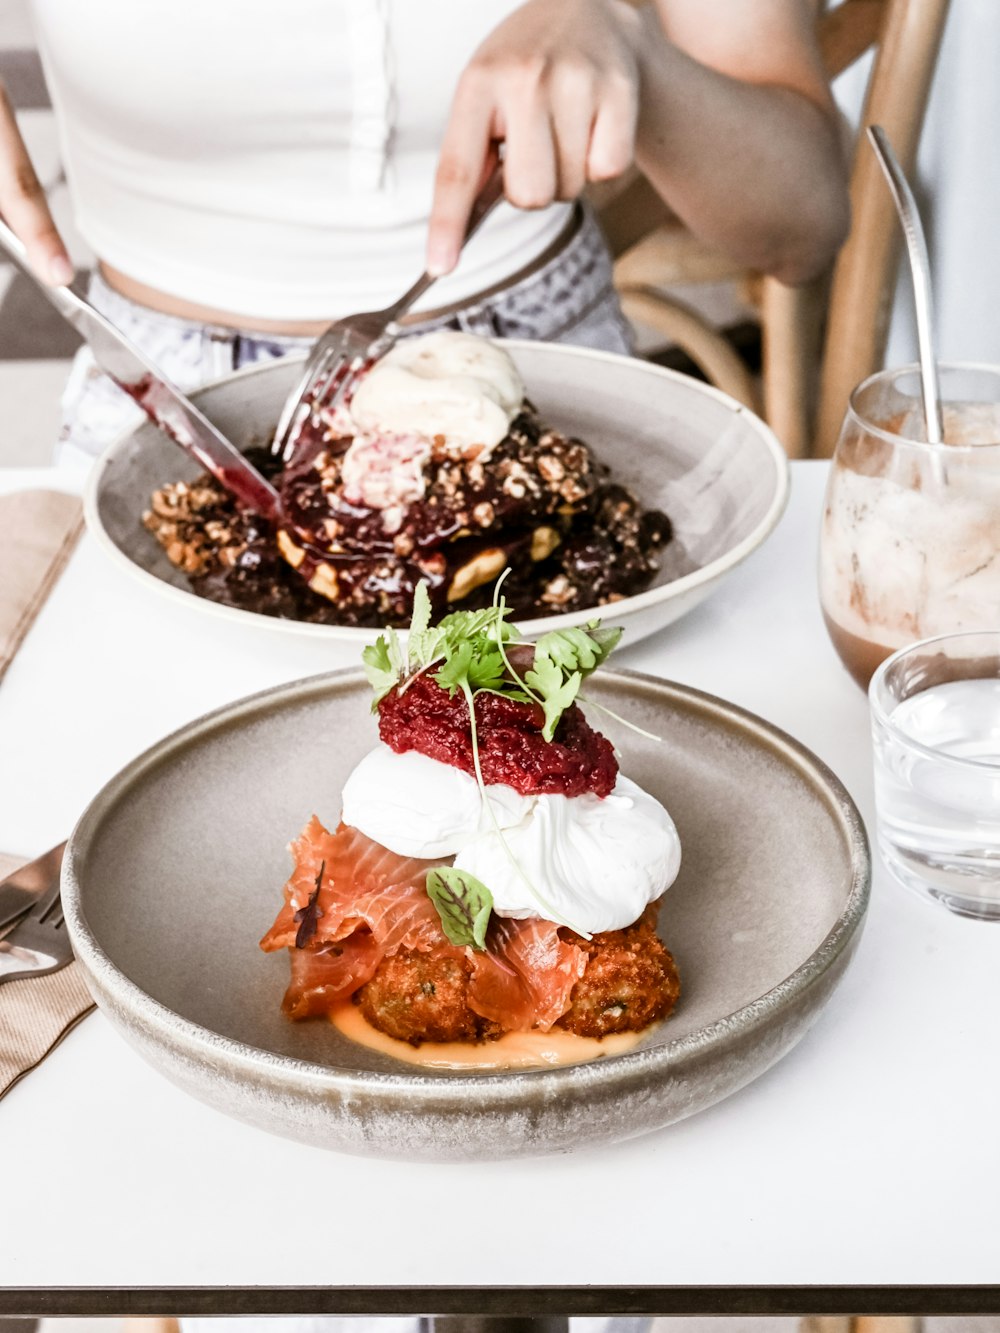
(684, 447)
(762, 920)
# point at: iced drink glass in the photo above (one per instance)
(910, 543)
(935, 709)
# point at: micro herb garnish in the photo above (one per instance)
(467, 652)
(463, 903)
(308, 916)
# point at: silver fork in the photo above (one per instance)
(351, 343)
(38, 944)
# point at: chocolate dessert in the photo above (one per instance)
(388, 508)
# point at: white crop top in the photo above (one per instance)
(272, 158)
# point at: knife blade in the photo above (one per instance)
(163, 402)
(20, 889)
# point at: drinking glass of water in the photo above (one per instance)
(936, 730)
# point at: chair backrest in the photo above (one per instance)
(864, 277)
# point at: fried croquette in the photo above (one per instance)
(629, 982)
(420, 996)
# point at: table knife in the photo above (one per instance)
(163, 402)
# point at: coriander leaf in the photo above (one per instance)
(557, 692)
(463, 904)
(453, 674)
(423, 645)
(579, 649)
(571, 649)
(486, 669)
(421, 617)
(383, 663)
(606, 639)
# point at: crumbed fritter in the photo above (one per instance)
(417, 997)
(630, 981)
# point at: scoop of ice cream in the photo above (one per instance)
(456, 386)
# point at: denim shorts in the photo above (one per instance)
(568, 299)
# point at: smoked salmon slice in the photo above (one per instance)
(350, 902)
(525, 978)
(325, 976)
(347, 868)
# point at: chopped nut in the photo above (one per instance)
(550, 468)
(203, 497)
(558, 591)
(324, 581)
(571, 491)
(292, 553)
(543, 542)
(480, 569)
(484, 513)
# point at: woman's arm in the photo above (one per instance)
(739, 134)
(723, 103)
(23, 206)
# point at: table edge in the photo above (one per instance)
(517, 1301)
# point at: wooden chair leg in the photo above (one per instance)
(791, 323)
(887, 1324)
(859, 1324)
(150, 1326)
(827, 1324)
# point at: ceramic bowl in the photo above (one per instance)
(175, 872)
(712, 466)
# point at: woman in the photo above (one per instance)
(248, 172)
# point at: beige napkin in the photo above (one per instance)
(38, 530)
(37, 1012)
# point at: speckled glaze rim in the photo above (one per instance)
(444, 1091)
(639, 602)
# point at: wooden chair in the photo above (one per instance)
(821, 339)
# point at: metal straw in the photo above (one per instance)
(920, 269)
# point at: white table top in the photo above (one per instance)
(869, 1155)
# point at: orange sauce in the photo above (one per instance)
(514, 1050)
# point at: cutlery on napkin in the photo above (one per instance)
(37, 1012)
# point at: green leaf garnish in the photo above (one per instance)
(555, 691)
(467, 653)
(383, 662)
(463, 903)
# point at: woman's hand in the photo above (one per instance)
(23, 205)
(558, 83)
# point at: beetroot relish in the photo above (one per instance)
(512, 749)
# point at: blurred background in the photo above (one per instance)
(958, 184)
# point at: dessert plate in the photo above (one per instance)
(708, 462)
(762, 920)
